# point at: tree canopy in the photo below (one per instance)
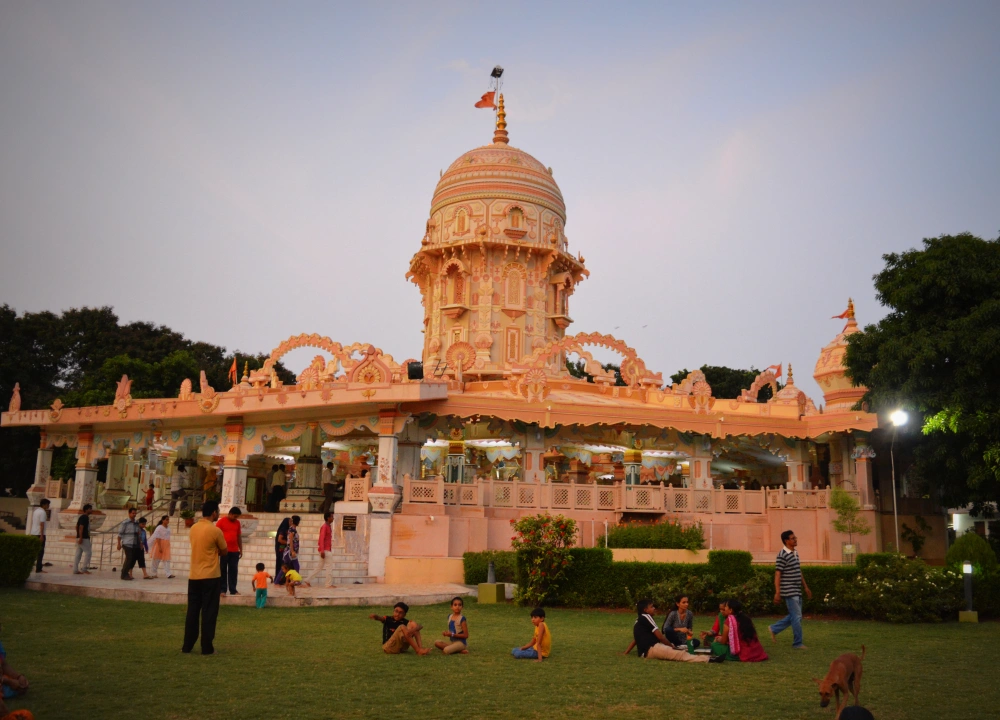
(937, 354)
(79, 356)
(727, 383)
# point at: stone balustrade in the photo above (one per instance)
(615, 498)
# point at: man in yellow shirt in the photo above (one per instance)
(208, 544)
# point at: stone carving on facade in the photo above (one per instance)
(767, 378)
(15, 399)
(123, 396)
(186, 392)
(56, 410)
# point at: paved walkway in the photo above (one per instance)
(107, 585)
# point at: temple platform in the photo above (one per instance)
(108, 586)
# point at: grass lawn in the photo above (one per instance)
(105, 659)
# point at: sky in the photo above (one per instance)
(242, 172)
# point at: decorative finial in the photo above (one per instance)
(500, 136)
(246, 371)
(791, 380)
(850, 308)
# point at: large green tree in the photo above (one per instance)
(727, 383)
(937, 354)
(79, 356)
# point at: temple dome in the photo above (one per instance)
(498, 171)
(839, 391)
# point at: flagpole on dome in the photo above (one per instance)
(489, 98)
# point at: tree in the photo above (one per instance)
(728, 383)
(937, 354)
(79, 356)
(578, 369)
(849, 519)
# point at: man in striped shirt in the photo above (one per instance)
(788, 585)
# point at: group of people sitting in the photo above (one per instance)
(733, 636)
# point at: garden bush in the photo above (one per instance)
(477, 566)
(756, 592)
(668, 535)
(986, 594)
(17, 557)
(731, 566)
(901, 591)
(542, 543)
(699, 589)
(972, 548)
(865, 559)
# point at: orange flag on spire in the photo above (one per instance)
(776, 368)
(487, 100)
(842, 315)
(232, 371)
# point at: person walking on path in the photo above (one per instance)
(37, 527)
(230, 562)
(325, 548)
(128, 540)
(83, 541)
(788, 586)
(280, 543)
(207, 546)
(161, 547)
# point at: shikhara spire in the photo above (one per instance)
(500, 136)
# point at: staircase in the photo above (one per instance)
(348, 568)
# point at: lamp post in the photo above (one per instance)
(898, 418)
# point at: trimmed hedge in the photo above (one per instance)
(17, 557)
(732, 567)
(865, 559)
(477, 564)
(667, 535)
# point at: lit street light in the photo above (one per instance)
(898, 418)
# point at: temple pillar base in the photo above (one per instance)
(302, 500)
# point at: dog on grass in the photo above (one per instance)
(843, 678)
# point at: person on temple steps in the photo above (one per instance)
(128, 541)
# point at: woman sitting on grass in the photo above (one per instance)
(651, 643)
(678, 628)
(738, 639)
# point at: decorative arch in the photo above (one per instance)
(765, 378)
(633, 368)
(514, 277)
(342, 355)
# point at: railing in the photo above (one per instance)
(617, 498)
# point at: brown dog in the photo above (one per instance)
(844, 677)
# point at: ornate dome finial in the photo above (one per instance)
(791, 379)
(500, 136)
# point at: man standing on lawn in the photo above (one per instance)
(128, 540)
(37, 527)
(788, 585)
(207, 547)
(230, 562)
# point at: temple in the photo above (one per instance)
(437, 456)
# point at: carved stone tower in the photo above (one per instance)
(494, 268)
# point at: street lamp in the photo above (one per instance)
(898, 419)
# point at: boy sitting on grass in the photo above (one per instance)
(292, 578)
(541, 642)
(398, 632)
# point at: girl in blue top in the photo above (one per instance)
(457, 632)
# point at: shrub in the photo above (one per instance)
(823, 581)
(972, 548)
(731, 566)
(17, 556)
(901, 591)
(542, 543)
(986, 594)
(699, 590)
(668, 535)
(477, 566)
(865, 559)
(756, 592)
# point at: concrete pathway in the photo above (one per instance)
(108, 586)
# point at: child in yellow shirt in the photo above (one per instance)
(541, 642)
(292, 578)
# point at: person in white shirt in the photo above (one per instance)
(329, 488)
(176, 487)
(37, 527)
(277, 489)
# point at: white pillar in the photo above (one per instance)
(796, 466)
(115, 494)
(700, 464)
(384, 494)
(534, 447)
(234, 488)
(43, 469)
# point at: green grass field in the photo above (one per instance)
(104, 659)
